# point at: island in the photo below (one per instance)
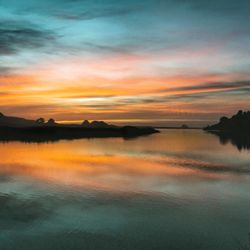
(20, 129)
(235, 129)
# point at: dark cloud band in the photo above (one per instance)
(15, 37)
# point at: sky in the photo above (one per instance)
(151, 62)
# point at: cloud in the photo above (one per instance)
(16, 36)
(77, 10)
(221, 6)
(96, 13)
(4, 71)
(190, 93)
(109, 49)
(212, 86)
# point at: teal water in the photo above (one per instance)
(180, 189)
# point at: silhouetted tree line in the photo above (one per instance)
(239, 122)
(20, 129)
(235, 130)
(10, 121)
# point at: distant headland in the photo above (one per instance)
(235, 129)
(239, 122)
(20, 129)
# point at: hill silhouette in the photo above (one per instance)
(20, 129)
(15, 121)
(235, 130)
(239, 122)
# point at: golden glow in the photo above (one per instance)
(119, 88)
(108, 164)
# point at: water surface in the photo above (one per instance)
(180, 189)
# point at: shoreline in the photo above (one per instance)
(56, 133)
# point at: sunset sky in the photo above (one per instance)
(152, 62)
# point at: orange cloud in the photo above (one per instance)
(117, 88)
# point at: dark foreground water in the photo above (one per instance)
(180, 189)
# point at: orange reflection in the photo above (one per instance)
(83, 164)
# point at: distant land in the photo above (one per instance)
(184, 126)
(239, 122)
(235, 129)
(20, 129)
(10, 121)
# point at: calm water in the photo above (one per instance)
(174, 190)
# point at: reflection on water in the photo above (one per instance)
(180, 189)
(240, 140)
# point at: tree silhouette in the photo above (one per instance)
(40, 121)
(51, 121)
